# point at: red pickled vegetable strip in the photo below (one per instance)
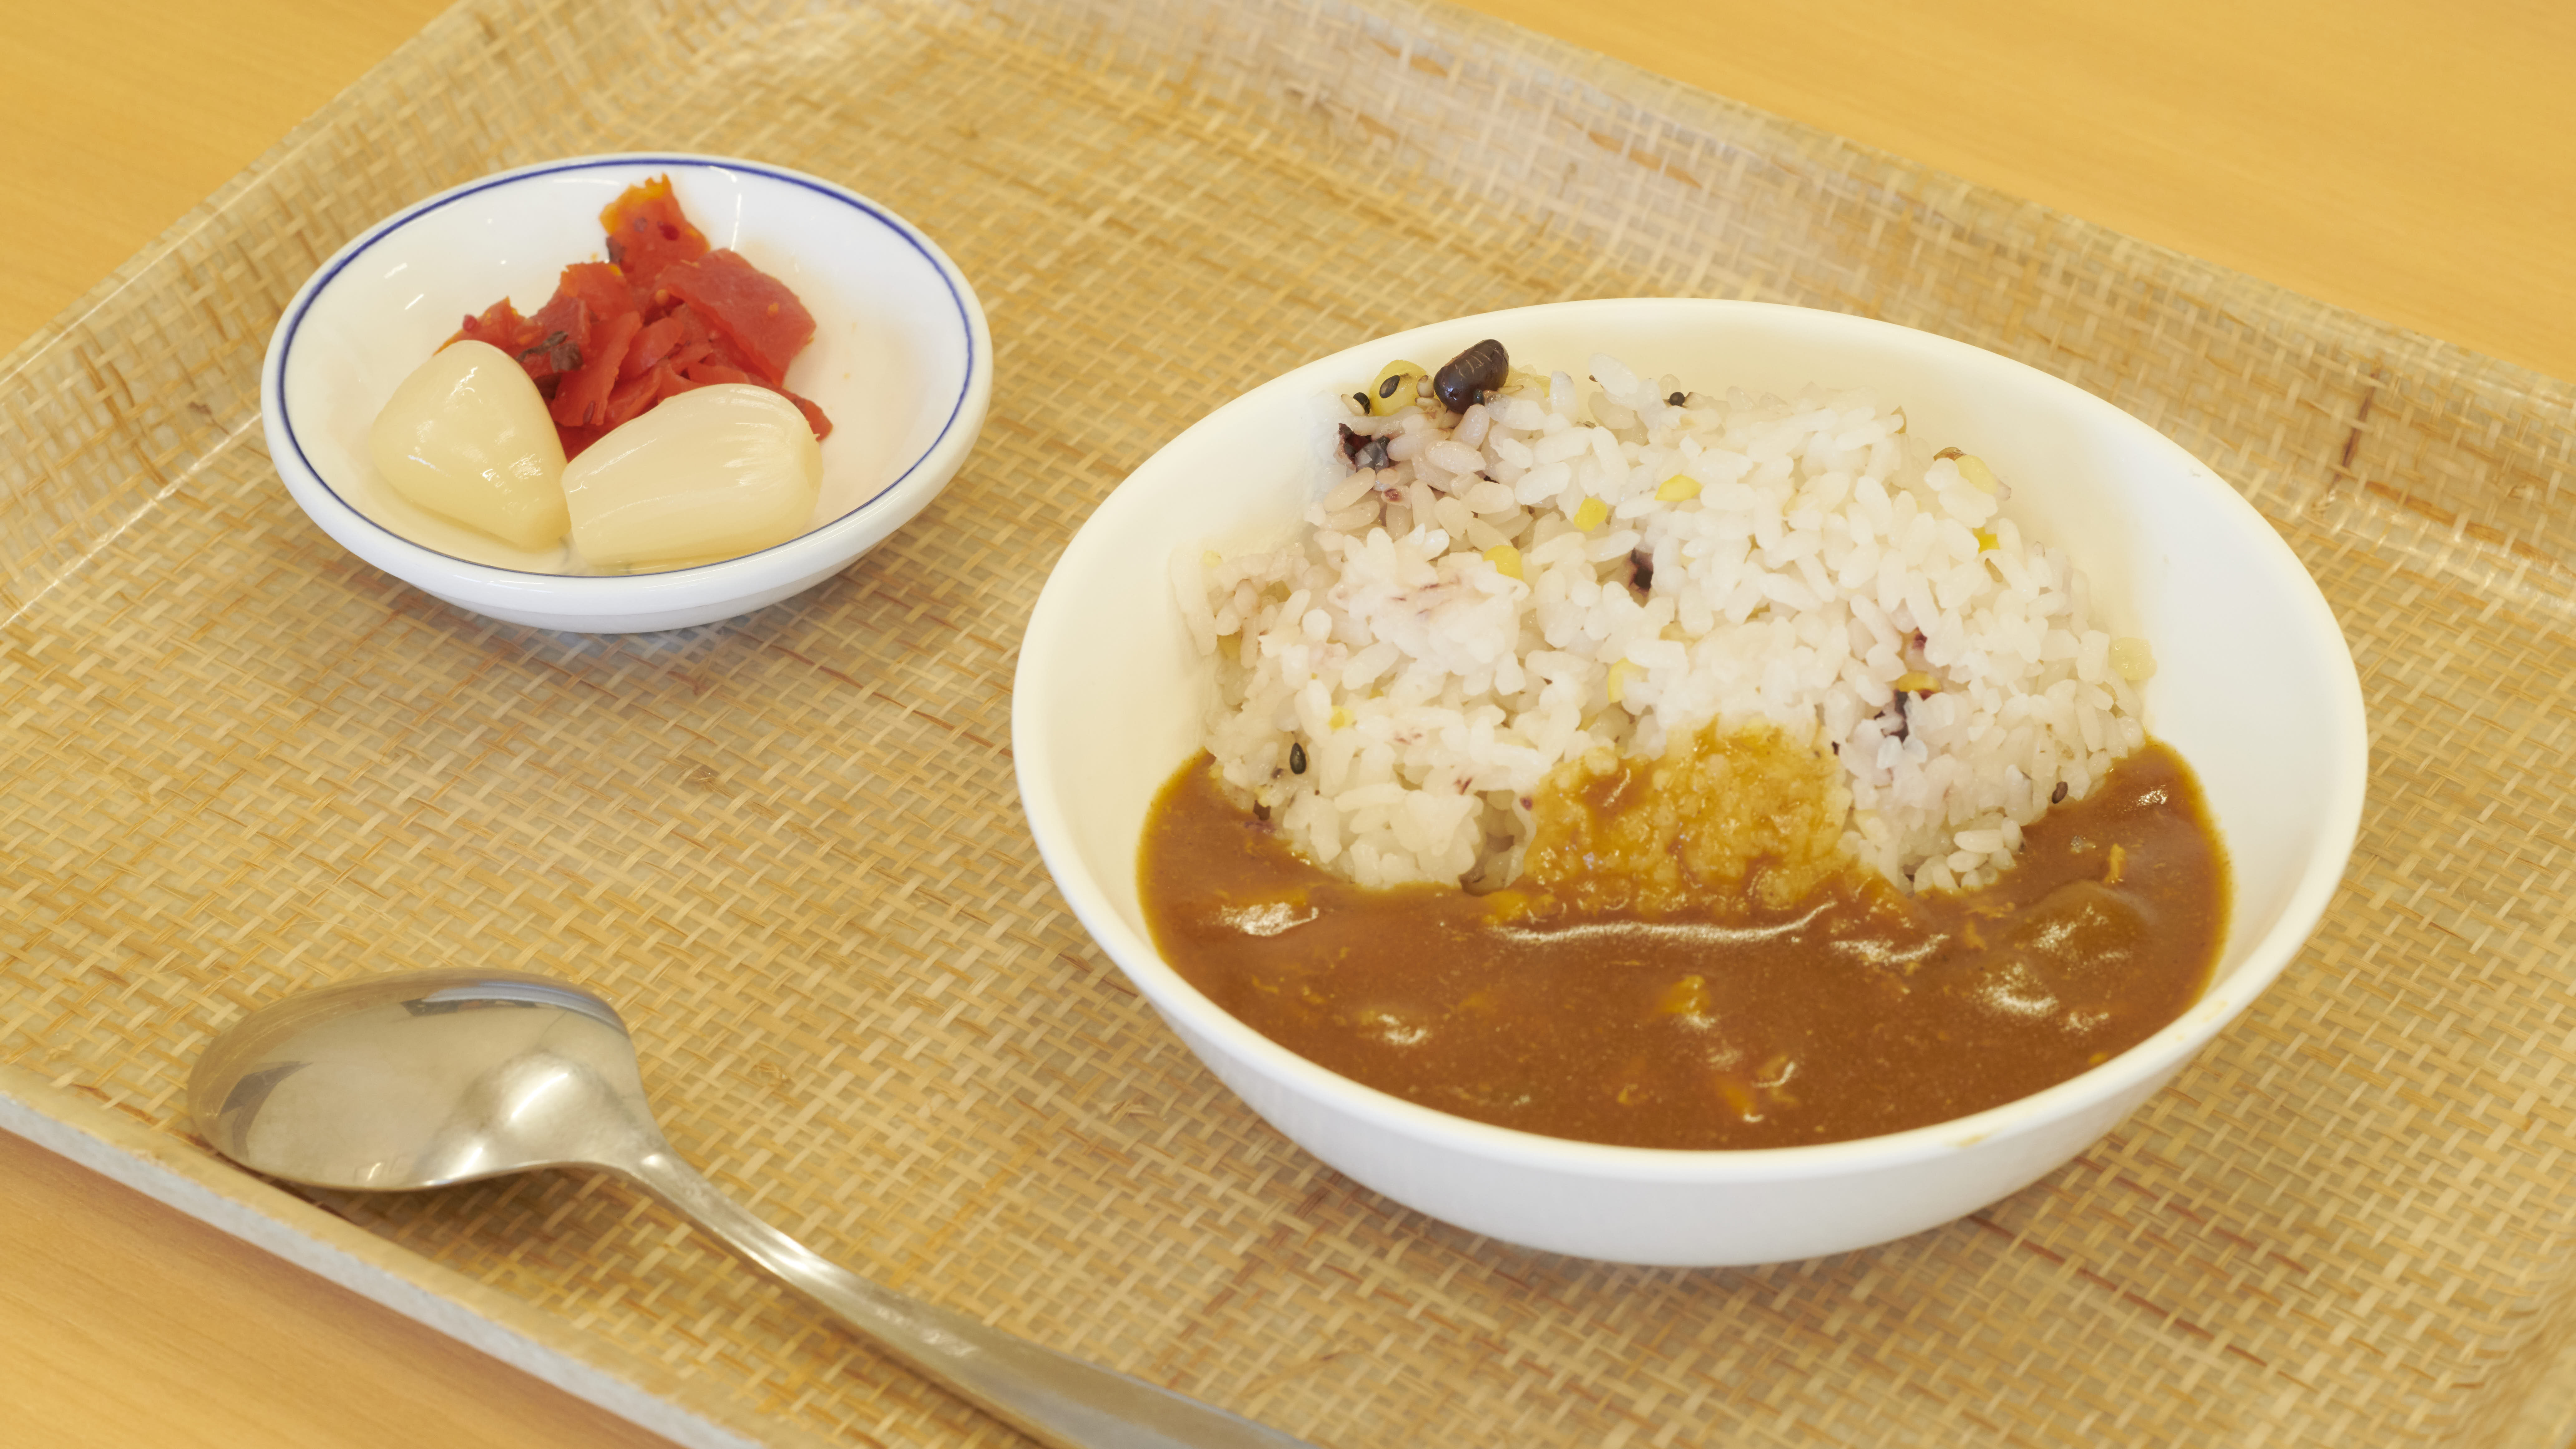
(565, 315)
(557, 340)
(576, 439)
(693, 328)
(646, 232)
(722, 351)
(750, 309)
(648, 349)
(705, 373)
(814, 418)
(600, 286)
(581, 400)
(673, 383)
(500, 325)
(701, 343)
(628, 400)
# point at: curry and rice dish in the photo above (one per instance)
(1640, 766)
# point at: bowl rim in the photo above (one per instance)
(2162, 1052)
(820, 548)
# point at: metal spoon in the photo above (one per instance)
(426, 1078)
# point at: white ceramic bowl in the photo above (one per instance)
(901, 362)
(2253, 687)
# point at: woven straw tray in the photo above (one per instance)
(238, 762)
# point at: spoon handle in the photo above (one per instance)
(1051, 1397)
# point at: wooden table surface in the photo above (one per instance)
(2413, 162)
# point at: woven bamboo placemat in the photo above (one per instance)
(238, 761)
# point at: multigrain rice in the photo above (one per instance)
(1560, 569)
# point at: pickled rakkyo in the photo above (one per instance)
(467, 437)
(709, 474)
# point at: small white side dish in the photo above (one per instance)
(2254, 688)
(901, 362)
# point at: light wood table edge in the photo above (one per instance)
(305, 1237)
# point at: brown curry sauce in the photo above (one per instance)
(1851, 1012)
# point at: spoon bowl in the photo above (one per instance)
(427, 1078)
